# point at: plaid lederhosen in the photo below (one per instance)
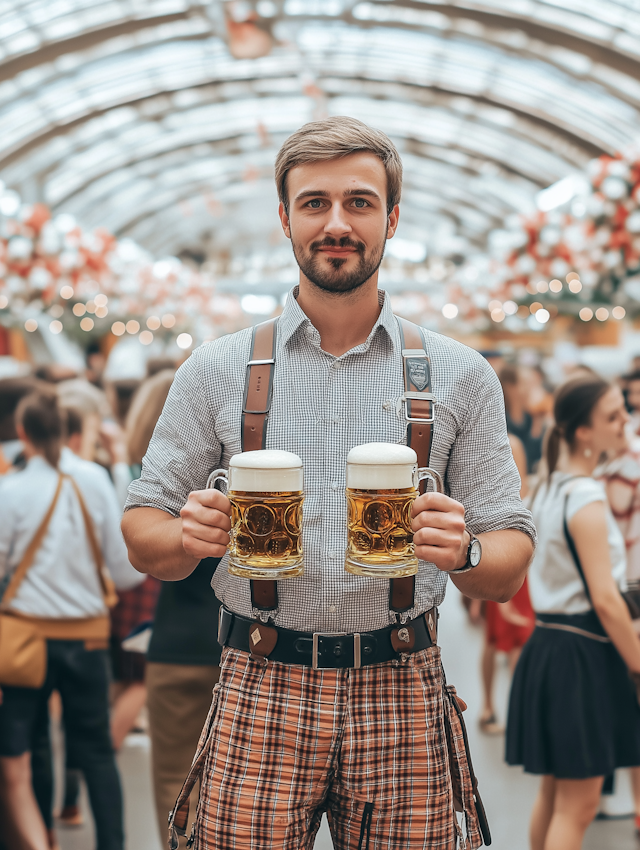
(285, 743)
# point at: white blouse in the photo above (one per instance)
(555, 585)
(63, 580)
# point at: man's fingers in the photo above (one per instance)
(437, 537)
(438, 519)
(210, 499)
(436, 502)
(202, 515)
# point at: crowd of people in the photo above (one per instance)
(78, 444)
(70, 445)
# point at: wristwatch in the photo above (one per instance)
(474, 554)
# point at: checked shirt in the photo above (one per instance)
(322, 407)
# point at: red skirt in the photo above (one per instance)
(505, 636)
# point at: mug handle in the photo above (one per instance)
(218, 475)
(426, 472)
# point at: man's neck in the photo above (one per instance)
(343, 320)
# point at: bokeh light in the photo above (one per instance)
(31, 325)
(146, 337)
(184, 340)
(132, 326)
(87, 324)
(118, 328)
(449, 311)
(586, 314)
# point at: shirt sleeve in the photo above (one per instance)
(184, 447)
(583, 493)
(482, 473)
(114, 550)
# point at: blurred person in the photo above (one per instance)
(54, 373)
(519, 419)
(121, 393)
(136, 606)
(632, 398)
(160, 364)
(12, 390)
(507, 625)
(183, 665)
(573, 711)
(96, 362)
(621, 478)
(64, 591)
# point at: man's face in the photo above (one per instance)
(337, 220)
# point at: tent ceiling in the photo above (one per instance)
(133, 114)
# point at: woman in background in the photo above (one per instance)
(136, 606)
(66, 594)
(573, 713)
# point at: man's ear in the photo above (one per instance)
(284, 220)
(392, 225)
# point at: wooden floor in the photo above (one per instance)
(508, 793)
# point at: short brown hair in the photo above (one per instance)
(333, 138)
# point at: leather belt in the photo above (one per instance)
(323, 651)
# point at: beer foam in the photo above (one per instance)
(381, 466)
(266, 471)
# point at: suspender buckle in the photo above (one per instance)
(407, 397)
(257, 383)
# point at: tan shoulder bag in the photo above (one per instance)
(23, 645)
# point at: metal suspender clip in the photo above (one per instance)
(418, 397)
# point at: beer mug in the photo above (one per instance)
(265, 491)
(382, 483)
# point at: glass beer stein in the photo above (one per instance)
(382, 483)
(265, 491)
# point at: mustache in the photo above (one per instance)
(345, 242)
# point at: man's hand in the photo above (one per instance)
(206, 522)
(439, 531)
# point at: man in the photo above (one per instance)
(285, 741)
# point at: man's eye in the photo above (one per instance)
(360, 203)
(315, 204)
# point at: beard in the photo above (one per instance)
(327, 272)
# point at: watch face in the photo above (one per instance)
(475, 553)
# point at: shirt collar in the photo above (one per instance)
(293, 318)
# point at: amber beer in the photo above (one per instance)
(382, 483)
(265, 489)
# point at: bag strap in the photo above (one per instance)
(570, 543)
(106, 582)
(258, 393)
(418, 408)
(32, 549)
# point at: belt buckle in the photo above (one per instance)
(357, 653)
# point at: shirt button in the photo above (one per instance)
(332, 609)
(335, 365)
(335, 485)
(333, 555)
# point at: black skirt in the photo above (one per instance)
(573, 711)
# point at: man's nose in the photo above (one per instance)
(337, 223)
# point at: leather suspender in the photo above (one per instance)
(418, 409)
(417, 404)
(258, 393)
